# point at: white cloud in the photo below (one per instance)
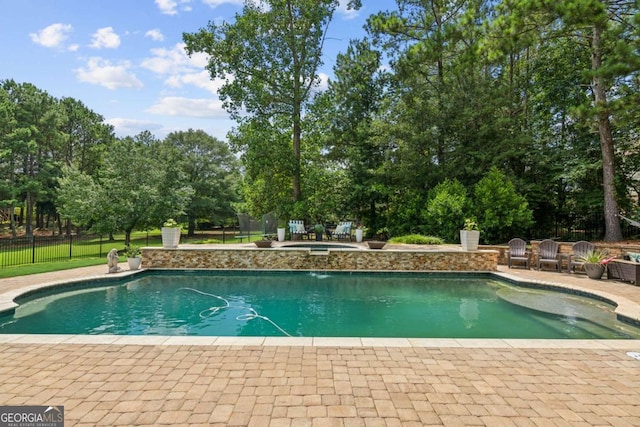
(155, 35)
(324, 82)
(172, 61)
(105, 37)
(216, 3)
(169, 7)
(112, 76)
(188, 107)
(201, 80)
(181, 69)
(52, 36)
(128, 127)
(347, 14)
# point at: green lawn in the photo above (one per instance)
(87, 253)
(45, 267)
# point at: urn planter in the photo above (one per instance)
(170, 237)
(469, 239)
(593, 270)
(134, 263)
(376, 245)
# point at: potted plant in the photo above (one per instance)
(264, 243)
(170, 234)
(319, 230)
(376, 244)
(470, 235)
(359, 233)
(134, 257)
(595, 263)
(281, 232)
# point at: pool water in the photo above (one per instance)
(316, 304)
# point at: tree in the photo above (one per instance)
(501, 212)
(209, 168)
(129, 192)
(351, 105)
(446, 210)
(29, 145)
(607, 30)
(269, 58)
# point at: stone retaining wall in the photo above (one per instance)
(304, 259)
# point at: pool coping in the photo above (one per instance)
(625, 309)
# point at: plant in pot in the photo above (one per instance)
(470, 235)
(281, 230)
(134, 257)
(319, 230)
(595, 263)
(360, 233)
(170, 234)
(264, 243)
(379, 239)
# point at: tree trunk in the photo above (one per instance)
(613, 232)
(191, 229)
(29, 218)
(14, 231)
(297, 191)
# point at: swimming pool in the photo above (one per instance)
(336, 304)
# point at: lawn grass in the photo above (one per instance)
(46, 267)
(91, 252)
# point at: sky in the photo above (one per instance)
(124, 59)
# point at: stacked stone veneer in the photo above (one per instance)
(304, 259)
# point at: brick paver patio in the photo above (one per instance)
(140, 381)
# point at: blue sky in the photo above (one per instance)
(124, 59)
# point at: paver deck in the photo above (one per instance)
(140, 381)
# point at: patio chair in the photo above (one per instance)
(548, 254)
(518, 253)
(297, 230)
(579, 250)
(342, 231)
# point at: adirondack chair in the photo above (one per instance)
(548, 254)
(297, 230)
(518, 253)
(579, 249)
(342, 231)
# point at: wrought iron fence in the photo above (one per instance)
(591, 227)
(36, 249)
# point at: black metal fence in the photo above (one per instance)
(591, 227)
(30, 250)
(37, 249)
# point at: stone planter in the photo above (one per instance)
(170, 237)
(281, 234)
(376, 245)
(263, 243)
(469, 239)
(593, 270)
(359, 234)
(134, 263)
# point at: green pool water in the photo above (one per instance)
(308, 304)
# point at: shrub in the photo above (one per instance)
(417, 239)
(446, 209)
(501, 211)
